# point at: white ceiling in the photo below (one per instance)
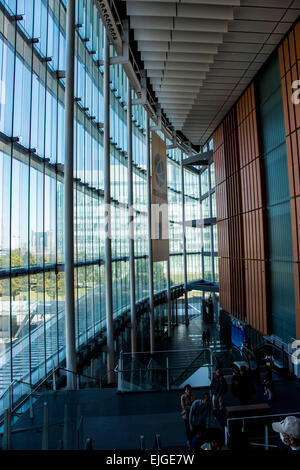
(201, 54)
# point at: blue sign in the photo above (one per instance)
(238, 334)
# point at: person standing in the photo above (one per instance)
(187, 399)
(218, 389)
(207, 336)
(244, 386)
(289, 431)
(204, 338)
(200, 415)
(267, 382)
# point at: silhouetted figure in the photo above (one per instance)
(218, 389)
(213, 440)
(204, 338)
(207, 336)
(200, 414)
(244, 386)
(267, 382)
(186, 401)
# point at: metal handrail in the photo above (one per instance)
(272, 345)
(243, 353)
(78, 374)
(11, 385)
(31, 394)
(35, 390)
(244, 418)
(266, 445)
(165, 351)
(162, 368)
(33, 428)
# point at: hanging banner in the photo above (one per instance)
(159, 203)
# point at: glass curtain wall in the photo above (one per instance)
(208, 211)
(32, 57)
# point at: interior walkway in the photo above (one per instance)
(116, 421)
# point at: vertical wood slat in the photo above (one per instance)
(253, 228)
(289, 61)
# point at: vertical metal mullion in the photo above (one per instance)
(56, 193)
(44, 294)
(29, 193)
(69, 197)
(151, 283)
(131, 220)
(186, 313)
(107, 201)
(211, 227)
(202, 232)
(10, 216)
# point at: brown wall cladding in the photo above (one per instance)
(252, 212)
(240, 215)
(222, 221)
(289, 59)
(229, 217)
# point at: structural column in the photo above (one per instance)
(107, 203)
(169, 299)
(186, 311)
(69, 198)
(131, 221)
(151, 283)
(211, 228)
(202, 229)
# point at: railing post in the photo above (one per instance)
(53, 377)
(45, 437)
(100, 372)
(120, 384)
(89, 444)
(226, 436)
(142, 442)
(168, 376)
(60, 445)
(157, 445)
(266, 437)
(31, 415)
(79, 434)
(67, 432)
(6, 445)
(93, 368)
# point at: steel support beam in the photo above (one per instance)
(211, 228)
(107, 202)
(202, 234)
(69, 198)
(131, 220)
(186, 310)
(169, 312)
(151, 283)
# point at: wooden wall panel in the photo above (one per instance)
(289, 60)
(252, 213)
(240, 215)
(229, 217)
